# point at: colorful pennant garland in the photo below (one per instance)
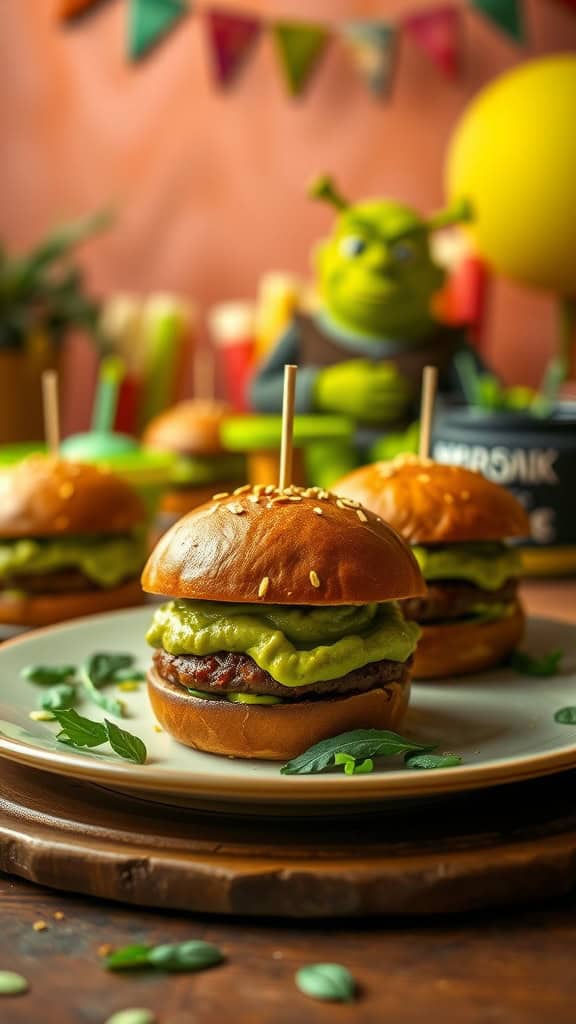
(232, 38)
(150, 21)
(508, 15)
(300, 46)
(437, 33)
(372, 46)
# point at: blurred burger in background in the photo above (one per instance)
(72, 542)
(458, 525)
(191, 431)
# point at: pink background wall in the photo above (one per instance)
(210, 186)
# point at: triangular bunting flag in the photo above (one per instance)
(69, 8)
(506, 14)
(300, 46)
(373, 48)
(149, 21)
(232, 37)
(437, 32)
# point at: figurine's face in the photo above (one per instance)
(376, 271)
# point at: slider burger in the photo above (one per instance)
(191, 431)
(457, 523)
(71, 542)
(283, 626)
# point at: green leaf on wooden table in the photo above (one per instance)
(358, 744)
(566, 716)
(125, 744)
(48, 675)
(61, 696)
(429, 761)
(542, 666)
(194, 955)
(78, 730)
(127, 958)
(330, 982)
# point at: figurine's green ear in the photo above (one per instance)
(458, 212)
(324, 188)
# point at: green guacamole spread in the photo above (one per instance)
(487, 565)
(104, 560)
(194, 470)
(296, 645)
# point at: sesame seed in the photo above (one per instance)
(350, 503)
(323, 495)
(295, 497)
(254, 499)
(40, 926)
(259, 488)
(263, 588)
(236, 508)
(361, 515)
(66, 490)
(221, 494)
(269, 489)
(158, 728)
(243, 489)
(318, 510)
(281, 500)
(314, 578)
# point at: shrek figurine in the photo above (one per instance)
(362, 352)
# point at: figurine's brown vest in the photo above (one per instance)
(316, 348)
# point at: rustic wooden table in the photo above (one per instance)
(497, 968)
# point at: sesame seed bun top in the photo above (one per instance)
(188, 428)
(298, 546)
(432, 503)
(43, 496)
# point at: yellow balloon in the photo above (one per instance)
(513, 155)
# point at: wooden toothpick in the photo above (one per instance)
(286, 445)
(429, 384)
(51, 412)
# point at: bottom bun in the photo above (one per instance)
(272, 732)
(458, 648)
(47, 609)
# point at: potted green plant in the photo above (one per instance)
(42, 297)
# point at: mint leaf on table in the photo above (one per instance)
(430, 760)
(194, 955)
(78, 730)
(359, 744)
(123, 743)
(48, 675)
(541, 667)
(61, 696)
(566, 716)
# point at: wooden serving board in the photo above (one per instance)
(511, 845)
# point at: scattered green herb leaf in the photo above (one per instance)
(127, 958)
(194, 955)
(48, 675)
(357, 744)
(566, 716)
(123, 743)
(61, 696)
(129, 675)
(429, 761)
(78, 730)
(137, 1015)
(352, 766)
(101, 669)
(542, 666)
(12, 984)
(330, 982)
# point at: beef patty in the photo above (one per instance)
(454, 599)
(227, 672)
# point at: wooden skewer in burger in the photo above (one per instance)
(458, 524)
(283, 626)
